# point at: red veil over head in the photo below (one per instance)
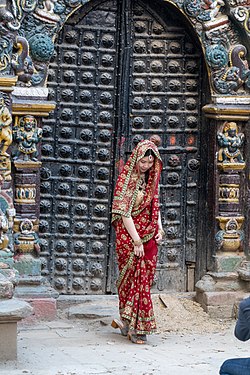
(128, 183)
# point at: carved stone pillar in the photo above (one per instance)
(7, 211)
(230, 246)
(29, 106)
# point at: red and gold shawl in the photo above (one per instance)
(127, 187)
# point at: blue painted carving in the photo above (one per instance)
(217, 56)
(229, 79)
(41, 47)
(227, 82)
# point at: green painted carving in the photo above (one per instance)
(42, 47)
(217, 56)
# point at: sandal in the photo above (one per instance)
(143, 337)
(135, 339)
(123, 327)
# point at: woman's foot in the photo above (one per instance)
(142, 337)
(136, 339)
(116, 323)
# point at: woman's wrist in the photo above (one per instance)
(161, 231)
(137, 242)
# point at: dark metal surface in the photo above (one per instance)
(120, 73)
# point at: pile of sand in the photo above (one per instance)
(184, 315)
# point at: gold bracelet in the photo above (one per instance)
(162, 233)
(137, 243)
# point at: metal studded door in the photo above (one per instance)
(120, 73)
(164, 97)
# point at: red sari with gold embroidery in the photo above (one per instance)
(136, 274)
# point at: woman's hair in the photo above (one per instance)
(149, 152)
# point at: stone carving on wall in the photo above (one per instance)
(230, 69)
(6, 249)
(203, 10)
(48, 10)
(5, 125)
(26, 136)
(40, 27)
(230, 142)
(225, 55)
(9, 26)
(230, 237)
(26, 241)
(5, 169)
(4, 226)
(40, 21)
(22, 63)
(240, 10)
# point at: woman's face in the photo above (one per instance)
(145, 163)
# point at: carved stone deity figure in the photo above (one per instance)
(48, 11)
(5, 169)
(27, 135)
(6, 249)
(4, 226)
(26, 241)
(230, 141)
(5, 127)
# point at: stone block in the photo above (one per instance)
(14, 310)
(44, 309)
(11, 311)
(220, 298)
(28, 265)
(6, 288)
(220, 312)
(200, 299)
(225, 263)
(8, 342)
(220, 305)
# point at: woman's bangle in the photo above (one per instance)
(162, 233)
(137, 243)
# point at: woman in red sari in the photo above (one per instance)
(137, 222)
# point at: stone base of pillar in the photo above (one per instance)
(34, 289)
(220, 305)
(220, 292)
(11, 312)
(8, 343)
(40, 296)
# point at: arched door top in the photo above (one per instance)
(213, 22)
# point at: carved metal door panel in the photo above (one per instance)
(165, 98)
(120, 73)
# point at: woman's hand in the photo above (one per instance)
(159, 236)
(139, 250)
